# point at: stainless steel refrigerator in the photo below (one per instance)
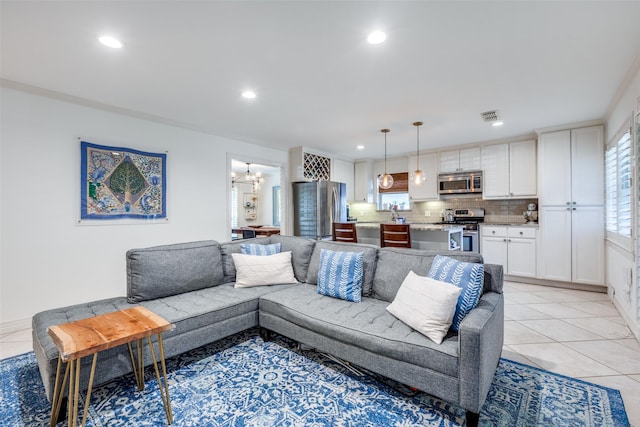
(316, 205)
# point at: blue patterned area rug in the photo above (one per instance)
(241, 381)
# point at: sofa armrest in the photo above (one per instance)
(480, 336)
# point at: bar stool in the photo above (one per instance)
(395, 235)
(344, 232)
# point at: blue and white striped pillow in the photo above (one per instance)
(340, 275)
(258, 249)
(466, 275)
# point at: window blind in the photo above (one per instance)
(400, 183)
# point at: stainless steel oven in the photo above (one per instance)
(469, 218)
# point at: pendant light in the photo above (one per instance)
(385, 181)
(418, 177)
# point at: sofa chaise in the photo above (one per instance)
(192, 285)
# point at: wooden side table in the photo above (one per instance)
(90, 336)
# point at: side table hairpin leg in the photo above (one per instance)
(72, 374)
(164, 392)
(137, 362)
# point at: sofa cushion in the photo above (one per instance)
(395, 263)
(299, 247)
(367, 325)
(368, 261)
(340, 275)
(465, 275)
(256, 249)
(426, 304)
(162, 271)
(261, 270)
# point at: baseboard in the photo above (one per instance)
(556, 284)
(12, 326)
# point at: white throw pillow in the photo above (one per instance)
(426, 304)
(255, 270)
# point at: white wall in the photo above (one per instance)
(47, 259)
(618, 260)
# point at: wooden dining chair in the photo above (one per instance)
(344, 232)
(395, 235)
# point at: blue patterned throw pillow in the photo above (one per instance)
(466, 275)
(258, 249)
(340, 275)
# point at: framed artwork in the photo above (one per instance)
(121, 183)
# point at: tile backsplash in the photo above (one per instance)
(496, 211)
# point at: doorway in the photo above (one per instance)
(255, 196)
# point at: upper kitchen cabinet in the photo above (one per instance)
(509, 170)
(308, 166)
(363, 186)
(460, 160)
(571, 167)
(343, 171)
(429, 189)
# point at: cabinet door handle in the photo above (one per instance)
(521, 233)
(573, 203)
(568, 203)
(573, 209)
(504, 240)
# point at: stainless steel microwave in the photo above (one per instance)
(460, 182)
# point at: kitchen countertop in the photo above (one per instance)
(418, 226)
(513, 224)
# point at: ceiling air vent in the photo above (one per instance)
(490, 116)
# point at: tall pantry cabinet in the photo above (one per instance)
(571, 205)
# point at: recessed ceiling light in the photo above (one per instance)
(497, 123)
(110, 41)
(360, 147)
(249, 94)
(376, 37)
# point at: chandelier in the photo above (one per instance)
(247, 178)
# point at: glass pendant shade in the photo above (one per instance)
(418, 177)
(385, 181)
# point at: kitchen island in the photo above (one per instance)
(423, 235)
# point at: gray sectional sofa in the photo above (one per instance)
(192, 286)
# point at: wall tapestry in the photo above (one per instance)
(120, 183)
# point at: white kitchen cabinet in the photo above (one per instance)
(571, 213)
(571, 167)
(587, 244)
(460, 160)
(495, 171)
(493, 245)
(363, 186)
(509, 170)
(343, 171)
(429, 189)
(512, 247)
(523, 171)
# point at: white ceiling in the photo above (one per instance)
(319, 83)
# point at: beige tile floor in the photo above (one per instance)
(575, 333)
